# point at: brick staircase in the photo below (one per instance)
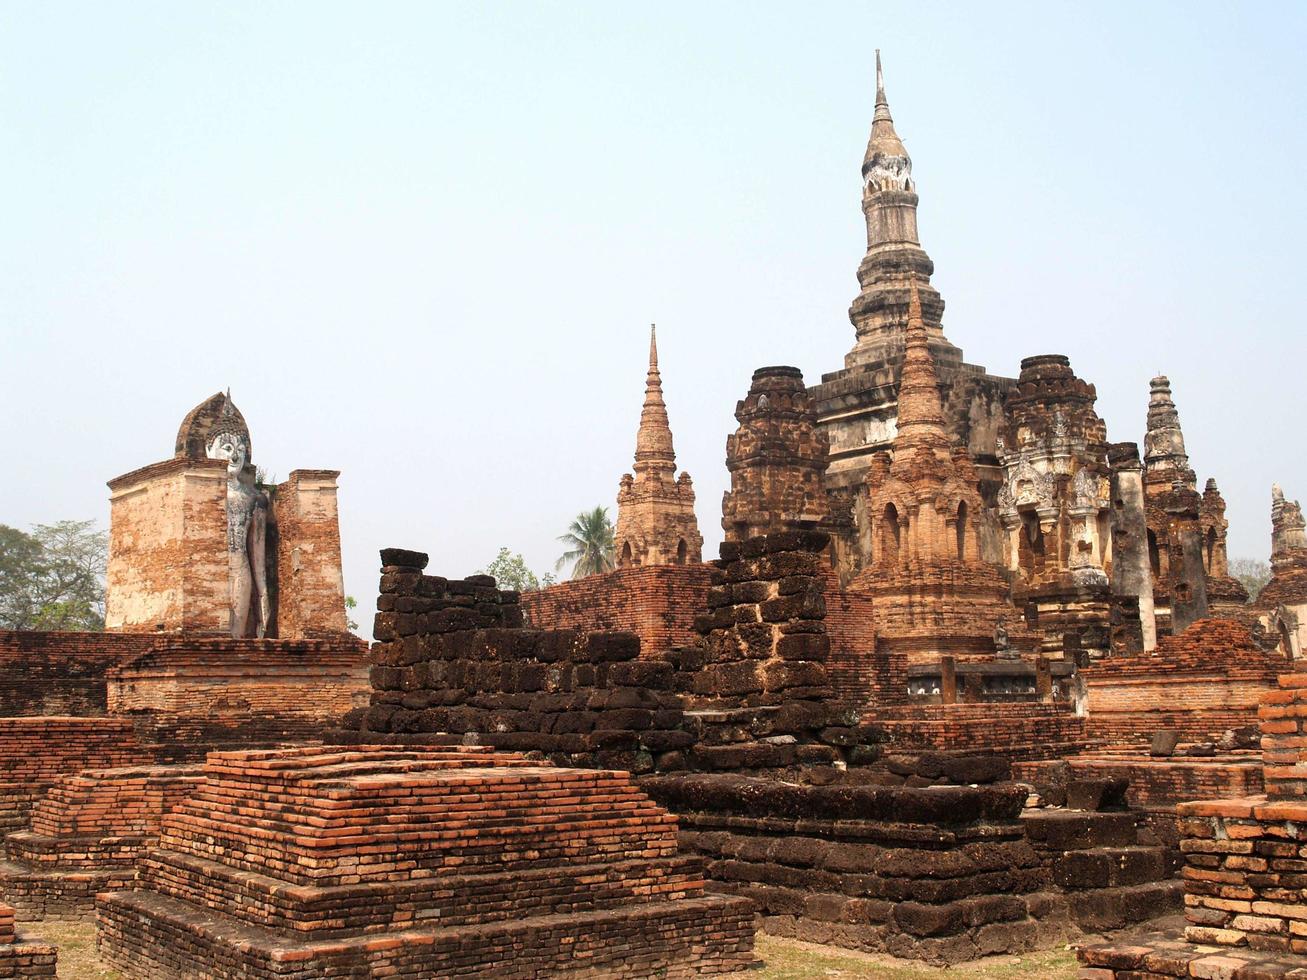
(1109, 878)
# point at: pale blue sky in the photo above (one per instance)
(423, 242)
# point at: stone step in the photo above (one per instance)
(42, 893)
(149, 936)
(1073, 830)
(1104, 909)
(1109, 867)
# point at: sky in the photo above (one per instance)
(423, 242)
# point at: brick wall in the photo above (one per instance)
(452, 658)
(1159, 784)
(168, 548)
(35, 752)
(192, 692)
(1202, 683)
(310, 589)
(1243, 857)
(1019, 730)
(657, 603)
(61, 673)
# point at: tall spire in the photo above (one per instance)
(920, 414)
(886, 162)
(880, 85)
(653, 443)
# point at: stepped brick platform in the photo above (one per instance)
(431, 861)
(36, 751)
(86, 835)
(943, 874)
(1201, 683)
(20, 956)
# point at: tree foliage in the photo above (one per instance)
(53, 578)
(591, 548)
(511, 572)
(1251, 573)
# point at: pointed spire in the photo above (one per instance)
(885, 151)
(1164, 449)
(653, 443)
(920, 412)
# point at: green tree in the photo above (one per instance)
(1251, 574)
(53, 578)
(511, 572)
(350, 605)
(591, 548)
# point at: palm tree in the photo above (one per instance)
(590, 538)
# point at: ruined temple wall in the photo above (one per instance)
(61, 672)
(193, 692)
(310, 585)
(1016, 730)
(658, 603)
(1201, 683)
(168, 565)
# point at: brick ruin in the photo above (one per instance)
(966, 677)
(655, 508)
(432, 862)
(1243, 874)
(177, 537)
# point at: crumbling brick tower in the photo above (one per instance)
(934, 591)
(1281, 607)
(655, 509)
(857, 405)
(1186, 531)
(776, 458)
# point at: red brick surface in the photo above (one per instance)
(431, 862)
(1202, 683)
(658, 603)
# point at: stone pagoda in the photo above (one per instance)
(655, 508)
(935, 592)
(857, 406)
(1186, 529)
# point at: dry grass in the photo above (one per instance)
(785, 959)
(788, 959)
(76, 942)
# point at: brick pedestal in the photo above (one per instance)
(315, 862)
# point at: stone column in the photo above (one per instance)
(1131, 572)
(1189, 581)
(948, 680)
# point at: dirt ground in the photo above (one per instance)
(785, 959)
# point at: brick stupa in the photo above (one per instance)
(655, 508)
(433, 861)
